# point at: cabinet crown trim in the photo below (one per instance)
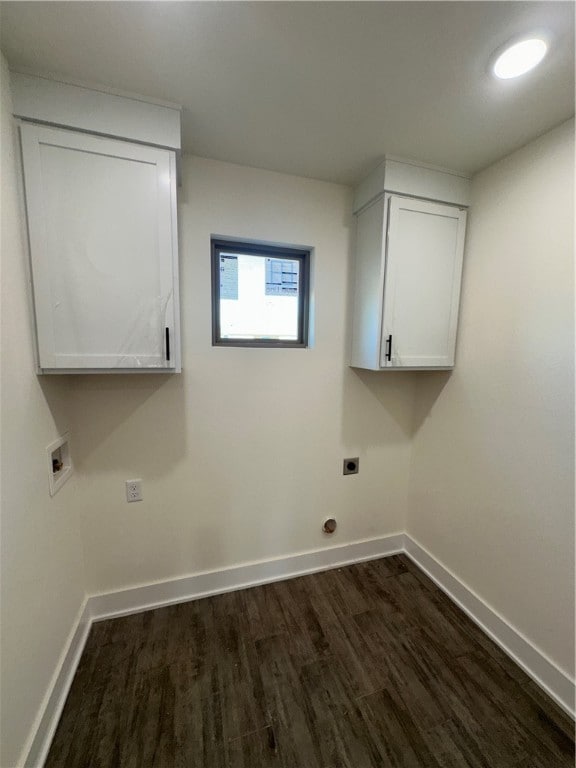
(42, 100)
(407, 177)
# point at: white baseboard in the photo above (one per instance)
(536, 664)
(146, 597)
(36, 750)
(198, 585)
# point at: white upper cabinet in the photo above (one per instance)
(104, 255)
(408, 266)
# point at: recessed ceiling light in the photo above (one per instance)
(520, 58)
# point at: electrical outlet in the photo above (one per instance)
(133, 490)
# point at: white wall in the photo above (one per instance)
(42, 576)
(492, 483)
(241, 455)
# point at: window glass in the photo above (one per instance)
(259, 295)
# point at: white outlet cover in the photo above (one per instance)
(133, 490)
(62, 447)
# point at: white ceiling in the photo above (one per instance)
(320, 89)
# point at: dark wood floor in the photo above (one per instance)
(369, 665)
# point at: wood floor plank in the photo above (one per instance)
(369, 666)
(346, 742)
(395, 731)
(364, 664)
(286, 704)
(453, 747)
(260, 748)
(341, 587)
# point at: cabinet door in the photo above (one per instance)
(422, 284)
(103, 245)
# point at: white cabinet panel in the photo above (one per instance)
(369, 284)
(103, 246)
(422, 283)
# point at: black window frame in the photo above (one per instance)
(303, 255)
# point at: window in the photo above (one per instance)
(259, 295)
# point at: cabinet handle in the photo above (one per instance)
(389, 348)
(168, 344)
